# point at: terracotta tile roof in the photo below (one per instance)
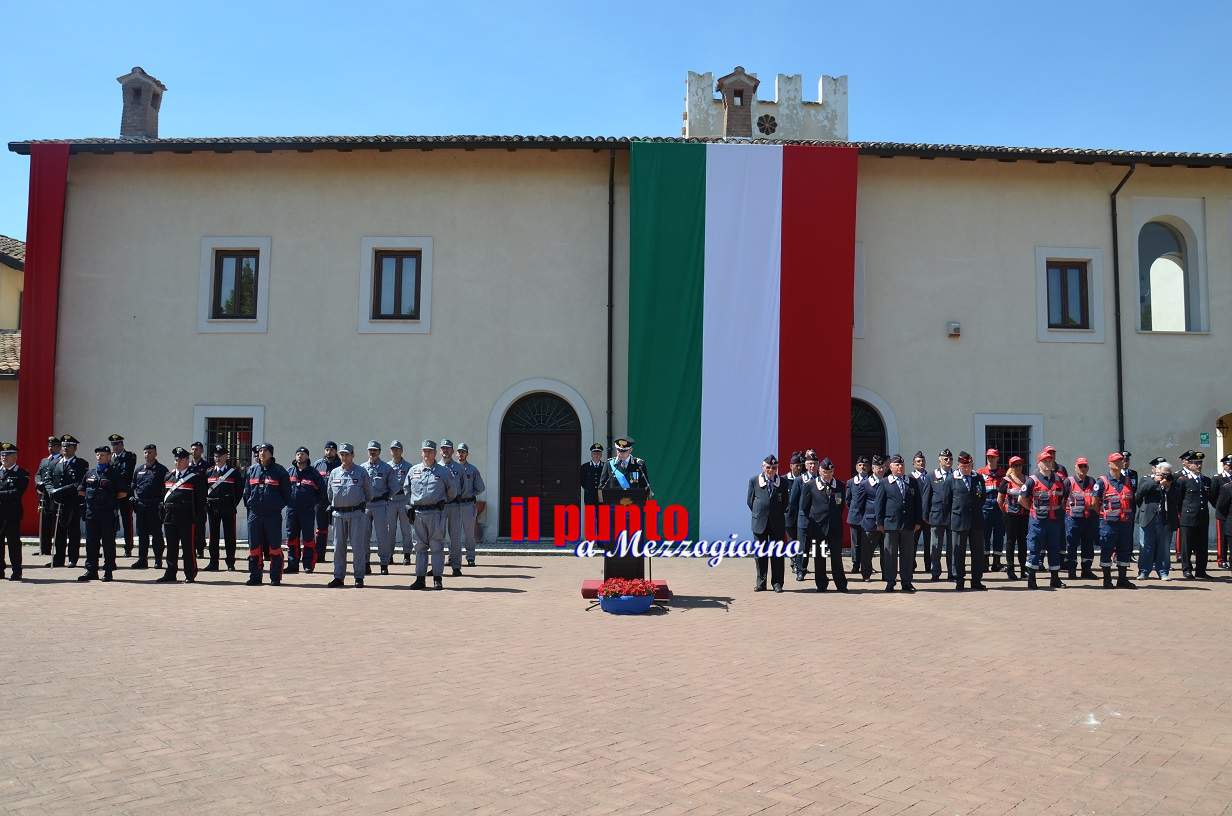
(10, 352)
(12, 252)
(264, 144)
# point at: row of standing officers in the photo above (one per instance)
(1045, 520)
(426, 502)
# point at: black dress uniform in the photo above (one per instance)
(1217, 484)
(1196, 500)
(616, 474)
(589, 474)
(821, 522)
(147, 492)
(66, 479)
(224, 488)
(183, 503)
(46, 507)
(126, 463)
(199, 466)
(13, 483)
(767, 501)
(103, 486)
(935, 506)
(967, 493)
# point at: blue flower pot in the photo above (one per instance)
(627, 604)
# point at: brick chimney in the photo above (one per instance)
(143, 95)
(738, 90)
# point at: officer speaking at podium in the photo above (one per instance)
(624, 481)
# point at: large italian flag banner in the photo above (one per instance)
(742, 267)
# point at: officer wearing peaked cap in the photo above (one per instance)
(431, 487)
(224, 486)
(1218, 481)
(67, 475)
(399, 517)
(589, 473)
(124, 461)
(627, 475)
(1196, 500)
(470, 486)
(147, 492)
(799, 470)
(767, 501)
(13, 483)
(183, 502)
(821, 523)
(453, 514)
(46, 507)
(381, 476)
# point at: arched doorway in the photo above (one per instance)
(868, 431)
(540, 450)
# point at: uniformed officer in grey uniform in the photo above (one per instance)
(453, 511)
(399, 519)
(470, 485)
(431, 487)
(380, 505)
(349, 490)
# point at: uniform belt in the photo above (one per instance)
(422, 507)
(470, 500)
(352, 508)
(379, 499)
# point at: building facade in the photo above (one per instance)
(302, 289)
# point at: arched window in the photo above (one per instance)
(1166, 286)
(868, 431)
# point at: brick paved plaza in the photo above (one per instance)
(504, 694)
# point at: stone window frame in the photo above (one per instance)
(369, 245)
(1093, 257)
(211, 244)
(1186, 216)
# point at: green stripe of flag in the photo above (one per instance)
(667, 237)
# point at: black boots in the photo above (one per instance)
(1122, 581)
(337, 583)
(1087, 574)
(1055, 583)
(1010, 575)
(91, 575)
(1073, 573)
(1108, 577)
(420, 583)
(996, 562)
(1031, 584)
(438, 583)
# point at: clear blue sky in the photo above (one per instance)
(1152, 76)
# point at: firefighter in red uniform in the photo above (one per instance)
(1081, 521)
(307, 497)
(1044, 496)
(994, 526)
(1114, 495)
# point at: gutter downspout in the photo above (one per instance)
(1116, 299)
(611, 274)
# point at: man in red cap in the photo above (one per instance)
(994, 527)
(1044, 496)
(1114, 496)
(1081, 520)
(1051, 450)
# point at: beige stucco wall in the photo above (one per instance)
(11, 283)
(8, 413)
(947, 240)
(519, 293)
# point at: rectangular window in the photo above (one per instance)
(1010, 440)
(1067, 295)
(395, 285)
(233, 432)
(234, 294)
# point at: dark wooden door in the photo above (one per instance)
(541, 449)
(868, 436)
